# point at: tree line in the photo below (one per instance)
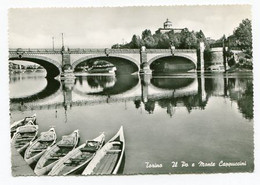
(183, 40)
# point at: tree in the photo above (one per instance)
(243, 34)
(188, 40)
(149, 42)
(164, 42)
(135, 42)
(146, 33)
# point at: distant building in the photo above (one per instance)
(167, 27)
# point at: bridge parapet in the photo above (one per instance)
(169, 50)
(30, 51)
(104, 50)
(94, 51)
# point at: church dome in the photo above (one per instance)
(167, 24)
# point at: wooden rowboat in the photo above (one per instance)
(108, 159)
(39, 146)
(24, 135)
(22, 122)
(56, 152)
(78, 158)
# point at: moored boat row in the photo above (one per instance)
(93, 157)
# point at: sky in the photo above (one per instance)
(103, 27)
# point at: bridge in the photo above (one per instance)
(131, 60)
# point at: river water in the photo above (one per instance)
(186, 119)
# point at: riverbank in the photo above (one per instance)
(19, 166)
(238, 68)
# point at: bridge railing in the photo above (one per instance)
(169, 50)
(105, 50)
(34, 50)
(94, 50)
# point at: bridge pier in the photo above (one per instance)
(202, 48)
(144, 67)
(67, 69)
(201, 86)
(145, 81)
(67, 88)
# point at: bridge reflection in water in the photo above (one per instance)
(104, 89)
(190, 90)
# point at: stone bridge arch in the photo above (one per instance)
(121, 65)
(52, 67)
(176, 55)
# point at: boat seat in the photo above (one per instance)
(65, 145)
(113, 151)
(23, 139)
(27, 136)
(54, 157)
(116, 143)
(76, 159)
(73, 161)
(26, 131)
(37, 150)
(91, 150)
(58, 155)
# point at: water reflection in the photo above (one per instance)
(171, 83)
(105, 85)
(50, 89)
(238, 89)
(166, 93)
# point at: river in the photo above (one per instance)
(183, 123)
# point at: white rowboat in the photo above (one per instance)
(108, 159)
(39, 146)
(23, 136)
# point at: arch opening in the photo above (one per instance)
(123, 66)
(52, 67)
(172, 64)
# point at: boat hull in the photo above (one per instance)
(40, 169)
(17, 135)
(97, 161)
(59, 168)
(31, 159)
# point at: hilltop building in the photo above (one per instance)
(167, 27)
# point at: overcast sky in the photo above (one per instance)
(103, 27)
